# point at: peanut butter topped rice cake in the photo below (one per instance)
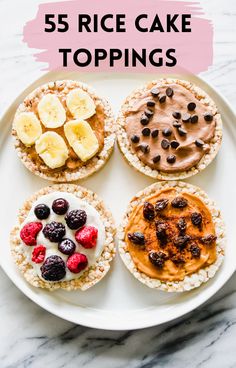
(63, 131)
(169, 129)
(172, 237)
(64, 238)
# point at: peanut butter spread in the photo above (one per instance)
(96, 122)
(169, 128)
(171, 235)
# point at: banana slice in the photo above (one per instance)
(52, 148)
(80, 104)
(51, 111)
(28, 127)
(81, 138)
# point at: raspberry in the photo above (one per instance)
(54, 231)
(53, 269)
(76, 219)
(29, 232)
(38, 254)
(87, 236)
(77, 262)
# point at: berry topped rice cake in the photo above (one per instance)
(64, 238)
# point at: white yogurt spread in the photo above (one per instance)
(93, 219)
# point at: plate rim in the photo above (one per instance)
(25, 289)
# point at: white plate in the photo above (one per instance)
(118, 302)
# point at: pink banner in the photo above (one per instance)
(133, 35)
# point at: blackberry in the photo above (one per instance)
(53, 269)
(67, 246)
(76, 219)
(54, 231)
(42, 211)
(60, 206)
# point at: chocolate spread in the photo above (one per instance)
(192, 135)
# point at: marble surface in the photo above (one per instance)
(31, 337)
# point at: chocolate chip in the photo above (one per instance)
(181, 225)
(181, 241)
(169, 92)
(148, 113)
(151, 103)
(208, 117)
(176, 124)
(157, 258)
(167, 132)
(179, 202)
(156, 159)
(171, 159)
(137, 238)
(155, 133)
(161, 204)
(174, 144)
(176, 114)
(135, 138)
(199, 143)
(186, 118)
(148, 211)
(191, 106)
(165, 143)
(195, 250)
(194, 119)
(146, 132)
(144, 120)
(196, 218)
(182, 132)
(208, 239)
(162, 98)
(155, 92)
(144, 148)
